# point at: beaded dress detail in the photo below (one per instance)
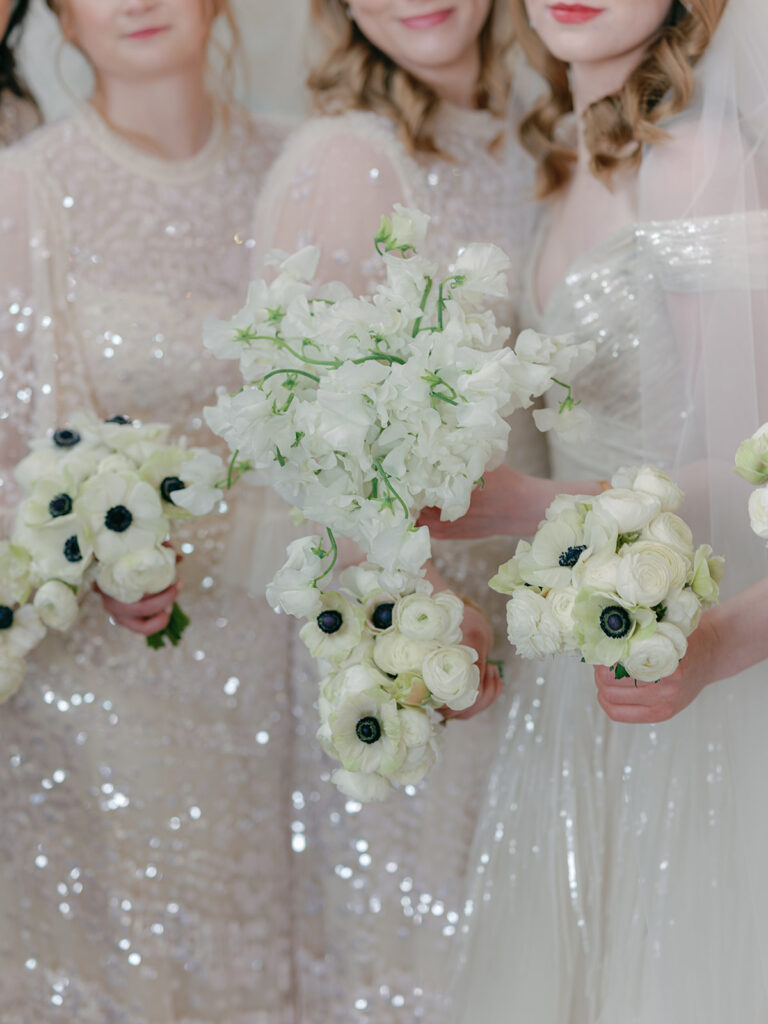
(381, 886)
(613, 859)
(143, 868)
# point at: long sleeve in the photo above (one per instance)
(330, 187)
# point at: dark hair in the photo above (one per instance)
(10, 78)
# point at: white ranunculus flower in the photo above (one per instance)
(683, 609)
(122, 514)
(561, 602)
(20, 630)
(632, 510)
(395, 653)
(15, 566)
(424, 618)
(454, 608)
(417, 726)
(532, 626)
(752, 457)
(598, 571)
(669, 529)
(57, 605)
(654, 657)
(648, 571)
(415, 767)
(758, 511)
(452, 675)
(48, 461)
(147, 571)
(650, 480)
(365, 787)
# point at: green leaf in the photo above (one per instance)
(173, 632)
(620, 672)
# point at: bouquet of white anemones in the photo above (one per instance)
(100, 499)
(614, 577)
(391, 653)
(752, 464)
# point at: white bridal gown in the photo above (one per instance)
(619, 871)
(143, 795)
(381, 887)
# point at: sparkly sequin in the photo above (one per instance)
(143, 795)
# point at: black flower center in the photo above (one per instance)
(330, 621)
(66, 438)
(169, 485)
(382, 615)
(72, 551)
(615, 621)
(570, 557)
(6, 617)
(368, 729)
(61, 505)
(122, 421)
(118, 518)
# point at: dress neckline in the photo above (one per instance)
(155, 168)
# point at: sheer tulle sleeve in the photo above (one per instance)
(335, 179)
(27, 325)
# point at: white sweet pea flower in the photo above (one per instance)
(452, 676)
(136, 573)
(598, 571)
(57, 606)
(20, 630)
(403, 229)
(15, 570)
(481, 272)
(12, 671)
(201, 475)
(652, 481)
(571, 424)
(758, 511)
(648, 571)
(401, 547)
(365, 787)
(654, 657)
(293, 588)
(532, 626)
(336, 631)
(122, 513)
(395, 653)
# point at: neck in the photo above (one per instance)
(170, 116)
(592, 81)
(455, 83)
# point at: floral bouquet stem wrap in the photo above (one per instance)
(362, 411)
(614, 578)
(100, 500)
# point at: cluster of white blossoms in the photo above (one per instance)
(100, 499)
(389, 660)
(614, 578)
(752, 464)
(362, 411)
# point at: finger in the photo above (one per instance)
(489, 691)
(633, 714)
(645, 695)
(146, 627)
(146, 607)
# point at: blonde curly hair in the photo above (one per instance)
(355, 75)
(618, 126)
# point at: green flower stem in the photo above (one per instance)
(388, 484)
(568, 402)
(335, 550)
(333, 363)
(231, 469)
(378, 357)
(422, 307)
(303, 373)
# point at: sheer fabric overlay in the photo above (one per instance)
(614, 860)
(381, 886)
(143, 867)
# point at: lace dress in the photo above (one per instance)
(619, 872)
(143, 794)
(381, 887)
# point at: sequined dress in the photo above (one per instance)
(144, 807)
(381, 887)
(17, 117)
(615, 873)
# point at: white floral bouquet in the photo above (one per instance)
(752, 464)
(99, 502)
(388, 661)
(613, 577)
(360, 412)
